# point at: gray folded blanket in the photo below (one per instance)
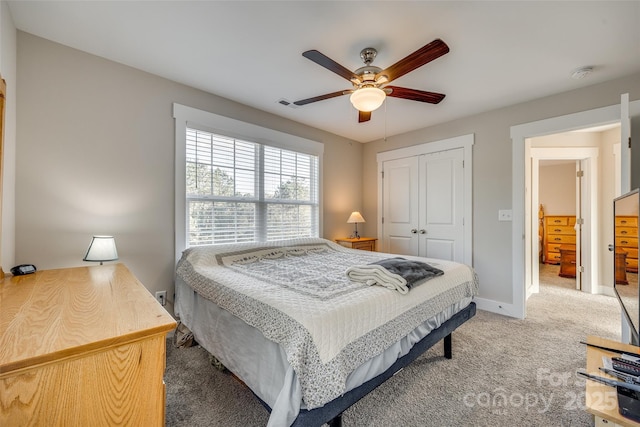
(411, 271)
(399, 274)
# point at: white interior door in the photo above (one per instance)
(441, 228)
(579, 221)
(400, 206)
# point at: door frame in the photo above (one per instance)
(521, 169)
(466, 143)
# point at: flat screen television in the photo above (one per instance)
(625, 253)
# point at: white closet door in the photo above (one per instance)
(441, 229)
(400, 206)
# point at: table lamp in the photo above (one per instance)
(355, 218)
(101, 248)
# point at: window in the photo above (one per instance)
(238, 182)
(242, 191)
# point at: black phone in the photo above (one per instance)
(22, 269)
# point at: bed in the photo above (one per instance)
(309, 341)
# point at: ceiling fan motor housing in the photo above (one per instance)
(368, 54)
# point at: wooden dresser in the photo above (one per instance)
(363, 243)
(558, 231)
(626, 230)
(81, 346)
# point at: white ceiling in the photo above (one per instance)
(502, 53)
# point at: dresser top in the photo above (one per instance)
(55, 314)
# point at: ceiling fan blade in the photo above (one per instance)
(415, 94)
(424, 55)
(329, 64)
(364, 116)
(321, 97)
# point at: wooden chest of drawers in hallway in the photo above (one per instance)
(558, 231)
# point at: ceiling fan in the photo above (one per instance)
(370, 83)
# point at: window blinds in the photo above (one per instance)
(241, 191)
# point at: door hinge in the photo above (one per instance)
(581, 269)
(580, 221)
(383, 220)
(382, 174)
(579, 174)
(629, 142)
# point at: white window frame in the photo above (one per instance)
(192, 117)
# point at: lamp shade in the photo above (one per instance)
(355, 218)
(101, 248)
(367, 98)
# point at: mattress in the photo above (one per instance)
(378, 327)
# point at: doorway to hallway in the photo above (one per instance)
(571, 175)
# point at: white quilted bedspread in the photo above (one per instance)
(297, 294)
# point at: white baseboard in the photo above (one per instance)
(506, 309)
(510, 310)
(606, 290)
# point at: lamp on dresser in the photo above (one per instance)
(355, 218)
(101, 249)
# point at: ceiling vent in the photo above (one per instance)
(287, 103)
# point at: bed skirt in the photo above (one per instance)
(331, 412)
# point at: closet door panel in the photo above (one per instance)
(400, 212)
(441, 227)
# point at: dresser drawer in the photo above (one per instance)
(560, 229)
(626, 231)
(631, 252)
(366, 245)
(363, 243)
(555, 247)
(621, 242)
(627, 221)
(632, 264)
(556, 220)
(553, 257)
(561, 238)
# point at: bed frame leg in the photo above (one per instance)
(447, 347)
(336, 421)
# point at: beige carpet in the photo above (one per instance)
(504, 372)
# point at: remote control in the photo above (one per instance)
(626, 366)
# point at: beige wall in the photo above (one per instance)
(557, 188)
(96, 156)
(492, 175)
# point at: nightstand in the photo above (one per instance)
(363, 243)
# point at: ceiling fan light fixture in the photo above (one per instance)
(367, 98)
